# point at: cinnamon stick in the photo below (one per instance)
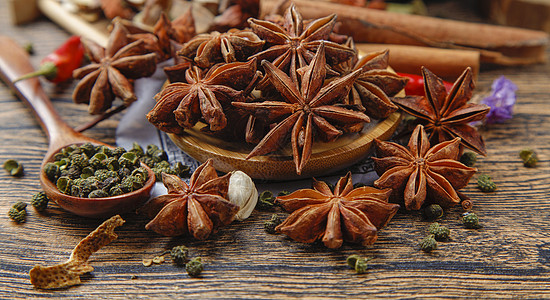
(496, 44)
(446, 63)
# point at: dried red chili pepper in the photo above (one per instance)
(415, 86)
(59, 65)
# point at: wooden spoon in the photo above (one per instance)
(14, 62)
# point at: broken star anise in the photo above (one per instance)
(372, 90)
(181, 105)
(292, 46)
(197, 208)
(112, 70)
(447, 115)
(307, 112)
(353, 215)
(422, 174)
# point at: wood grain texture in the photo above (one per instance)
(509, 258)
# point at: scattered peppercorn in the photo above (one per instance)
(270, 225)
(18, 212)
(470, 220)
(428, 244)
(358, 263)
(179, 255)
(40, 201)
(529, 157)
(432, 212)
(29, 48)
(266, 201)
(283, 193)
(440, 233)
(485, 184)
(469, 158)
(13, 167)
(194, 267)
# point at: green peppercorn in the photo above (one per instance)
(432, 212)
(18, 212)
(469, 159)
(88, 149)
(283, 193)
(40, 201)
(428, 244)
(194, 267)
(64, 184)
(98, 194)
(358, 263)
(136, 149)
(529, 157)
(470, 220)
(128, 160)
(440, 233)
(179, 255)
(52, 171)
(266, 201)
(485, 184)
(29, 48)
(270, 225)
(13, 167)
(181, 169)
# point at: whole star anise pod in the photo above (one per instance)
(208, 49)
(112, 71)
(372, 90)
(181, 105)
(422, 174)
(198, 208)
(292, 46)
(353, 215)
(447, 115)
(307, 112)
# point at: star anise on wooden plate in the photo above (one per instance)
(422, 174)
(353, 215)
(198, 208)
(372, 90)
(292, 46)
(112, 71)
(447, 115)
(307, 112)
(205, 95)
(208, 49)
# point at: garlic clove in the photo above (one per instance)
(242, 192)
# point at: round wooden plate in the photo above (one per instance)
(326, 157)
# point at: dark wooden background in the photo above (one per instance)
(508, 258)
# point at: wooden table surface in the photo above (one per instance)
(508, 258)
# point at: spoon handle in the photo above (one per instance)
(14, 62)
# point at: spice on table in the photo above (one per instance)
(266, 201)
(432, 212)
(428, 244)
(420, 173)
(415, 86)
(470, 220)
(59, 65)
(529, 157)
(468, 158)
(446, 115)
(147, 262)
(358, 263)
(14, 167)
(194, 267)
(353, 215)
(40, 201)
(197, 209)
(157, 159)
(29, 48)
(272, 223)
(18, 212)
(179, 255)
(243, 193)
(440, 233)
(485, 184)
(68, 273)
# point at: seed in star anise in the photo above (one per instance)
(345, 214)
(447, 115)
(197, 209)
(112, 71)
(421, 174)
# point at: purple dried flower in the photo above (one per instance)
(501, 100)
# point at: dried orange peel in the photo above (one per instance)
(68, 273)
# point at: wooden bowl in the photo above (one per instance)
(326, 157)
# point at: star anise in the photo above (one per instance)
(307, 112)
(292, 46)
(422, 174)
(112, 71)
(353, 215)
(372, 90)
(447, 115)
(198, 208)
(210, 48)
(205, 95)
